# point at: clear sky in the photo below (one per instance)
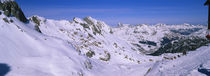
(124, 11)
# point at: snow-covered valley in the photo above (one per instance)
(37, 46)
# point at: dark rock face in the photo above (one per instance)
(148, 43)
(11, 9)
(96, 27)
(37, 22)
(168, 40)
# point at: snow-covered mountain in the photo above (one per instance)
(88, 47)
(161, 38)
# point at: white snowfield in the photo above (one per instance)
(88, 47)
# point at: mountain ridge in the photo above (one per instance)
(11, 9)
(89, 47)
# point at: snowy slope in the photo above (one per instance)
(89, 47)
(121, 52)
(30, 53)
(103, 45)
(186, 65)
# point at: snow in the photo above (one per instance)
(62, 46)
(183, 66)
(28, 53)
(155, 33)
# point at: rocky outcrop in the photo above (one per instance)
(11, 9)
(96, 26)
(37, 21)
(180, 45)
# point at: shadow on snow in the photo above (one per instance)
(4, 69)
(204, 70)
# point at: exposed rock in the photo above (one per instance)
(6, 20)
(11, 9)
(90, 54)
(107, 57)
(181, 45)
(94, 24)
(37, 21)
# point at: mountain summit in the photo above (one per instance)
(11, 9)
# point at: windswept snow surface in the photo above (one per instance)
(184, 66)
(88, 47)
(29, 53)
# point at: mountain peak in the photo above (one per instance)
(11, 9)
(90, 20)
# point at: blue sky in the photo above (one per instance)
(124, 11)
